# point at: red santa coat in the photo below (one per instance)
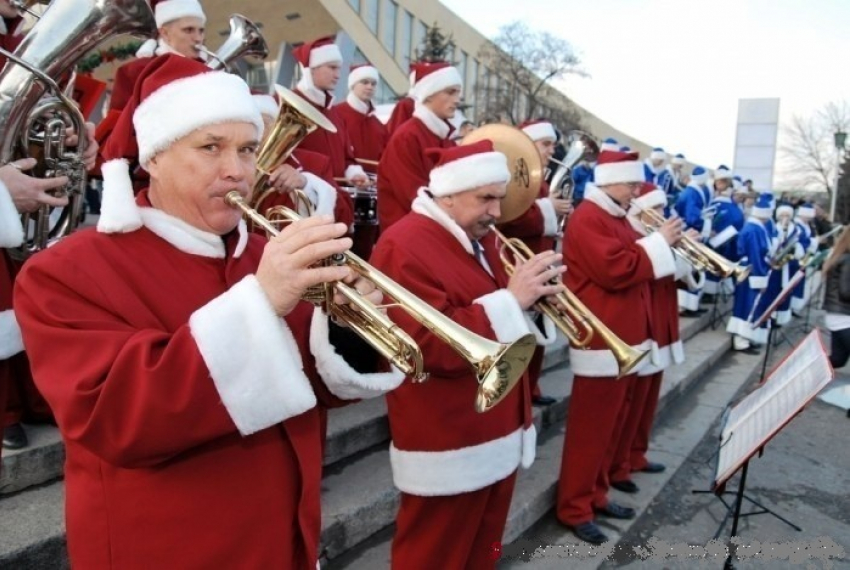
(610, 270)
(404, 168)
(538, 226)
(368, 135)
(440, 444)
(10, 40)
(402, 111)
(187, 408)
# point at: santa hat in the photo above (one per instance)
(466, 167)
(318, 52)
(539, 130)
(169, 10)
(699, 175)
(625, 148)
(650, 196)
(657, 154)
(678, 159)
(785, 209)
(763, 208)
(360, 72)
(614, 167)
(267, 104)
(609, 144)
(723, 173)
(434, 77)
(164, 108)
(806, 211)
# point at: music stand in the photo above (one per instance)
(767, 314)
(749, 425)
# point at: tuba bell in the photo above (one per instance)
(245, 39)
(31, 125)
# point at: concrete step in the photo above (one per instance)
(535, 491)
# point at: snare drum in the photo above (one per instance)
(365, 219)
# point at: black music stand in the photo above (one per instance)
(767, 315)
(748, 426)
(720, 300)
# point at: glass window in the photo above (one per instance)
(403, 55)
(370, 15)
(418, 36)
(384, 94)
(388, 25)
(461, 67)
(355, 5)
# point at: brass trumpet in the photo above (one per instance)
(575, 320)
(498, 367)
(700, 256)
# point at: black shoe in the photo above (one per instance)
(615, 511)
(589, 532)
(652, 467)
(543, 400)
(625, 486)
(14, 437)
(749, 350)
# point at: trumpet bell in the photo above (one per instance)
(498, 373)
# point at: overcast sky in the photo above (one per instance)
(670, 72)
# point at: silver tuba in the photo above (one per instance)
(244, 39)
(582, 147)
(34, 125)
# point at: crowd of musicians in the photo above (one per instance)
(189, 377)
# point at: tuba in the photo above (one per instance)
(31, 125)
(498, 366)
(582, 147)
(245, 39)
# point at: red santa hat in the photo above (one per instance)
(539, 130)
(614, 167)
(434, 77)
(169, 10)
(650, 196)
(317, 53)
(165, 107)
(466, 167)
(360, 72)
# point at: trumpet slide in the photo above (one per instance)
(498, 366)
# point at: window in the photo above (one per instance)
(403, 53)
(418, 37)
(370, 15)
(355, 5)
(461, 67)
(384, 94)
(388, 25)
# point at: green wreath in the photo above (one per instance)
(119, 52)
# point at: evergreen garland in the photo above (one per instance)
(118, 52)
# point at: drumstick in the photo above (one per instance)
(366, 161)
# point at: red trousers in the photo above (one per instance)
(453, 532)
(534, 370)
(20, 400)
(621, 469)
(595, 419)
(640, 444)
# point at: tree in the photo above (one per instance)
(522, 63)
(435, 46)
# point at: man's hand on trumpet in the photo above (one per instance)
(532, 279)
(287, 178)
(672, 230)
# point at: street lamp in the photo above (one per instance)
(840, 138)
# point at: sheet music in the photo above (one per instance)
(756, 418)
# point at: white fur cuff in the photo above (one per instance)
(118, 212)
(723, 237)
(757, 282)
(11, 342)
(325, 194)
(660, 254)
(507, 318)
(11, 230)
(252, 358)
(353, 170)
(688, 300)
(601, 363)
(550, 218)
(341, 379)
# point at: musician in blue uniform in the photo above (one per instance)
(784, 248)
(727, 221)
(656, 172)
(809, 244)
(690, 207)
(678, 177)
(582, 174)
(753, 245)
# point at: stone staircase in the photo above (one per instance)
(359, 501)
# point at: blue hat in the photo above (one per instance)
(806, 210)
(625, 149)
(678, 159)
(723, 173)
(699, 175)
(763, 208)
(657, 154)
(610, 145)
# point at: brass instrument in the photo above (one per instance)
(33, 125)
(245, 39)
(785, 251)
(498, 367)
(582, 147)
(26, 6)
(700, 256)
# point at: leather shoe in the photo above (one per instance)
(589, 532)
(652, 467)
(625, 486)
(543, 400)
(615, 511)
(14, 437)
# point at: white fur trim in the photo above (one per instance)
(252, 358)
(118, 210)
(505, 314)
(761, 213)
(660, 254)
(783, 317)
(468, 173)
(550, 218)
(661, 357)
(425, 205)
(361, 73)
(723, 237)
(170, 10)
(456, 471)
(722, 174)
(11, 342)
(362, 107)
(650, 200)
(267, 105)
(328, 53)
(688, 300)
(147, 49)
(540, 131)
(757, 282)
(657, 155)
(11, 230)
(436, 81)
(353, 170)
(549, 333)
(677, 160)
(601, 363)
(310, 91)
(599, 197)
(786, 210)
(805, 212)
(618, 172)
(341, 379)
(431, 121)
(325, 194)
(798, 303)
(698, 180)
(611, 147)
(176, 109)
(744, 329)
(181, 235)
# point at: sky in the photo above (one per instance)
(671, 72)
